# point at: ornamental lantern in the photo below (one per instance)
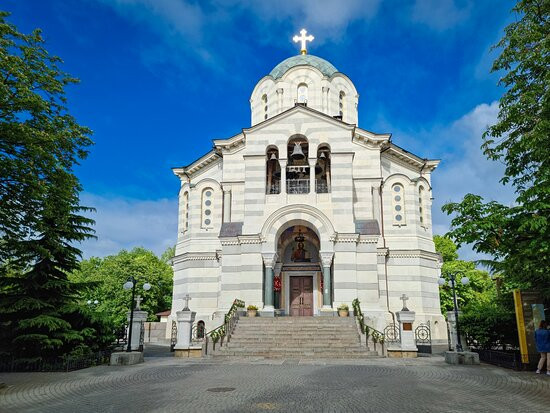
(277, 284)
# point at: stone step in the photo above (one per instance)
(295, 337)
(294, 348)
(312, 355)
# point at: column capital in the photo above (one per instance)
(326, 258)
(269, 258)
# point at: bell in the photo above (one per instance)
(322, 155)
(273, 157)
(297, 152)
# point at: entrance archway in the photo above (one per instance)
(275, 236)
(298, 279)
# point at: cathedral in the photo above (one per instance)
(304, 211)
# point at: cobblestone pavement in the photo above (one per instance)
(165, 384)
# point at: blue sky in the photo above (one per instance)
(153, 74)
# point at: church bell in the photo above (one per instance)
(273, 157)
(297, 152)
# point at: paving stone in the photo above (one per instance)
(164, 384)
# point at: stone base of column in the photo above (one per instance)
(327, 311)
(402, 354)
(191, 352)
(126, 359)
(267, 311)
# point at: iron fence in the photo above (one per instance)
(9, 364)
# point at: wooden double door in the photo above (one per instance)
(301, 296)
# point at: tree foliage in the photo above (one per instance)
(40, 213)
(107, 275)
(480, 284)
(517, 237)
(488, 317)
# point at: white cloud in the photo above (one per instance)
(439, 14)
(123, 223)
(467, 170)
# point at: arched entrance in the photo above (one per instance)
(285, 261)
(298, 282)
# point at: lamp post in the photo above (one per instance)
(452, 282)
(131, 283)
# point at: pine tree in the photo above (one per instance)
(40, 212)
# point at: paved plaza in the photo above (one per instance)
(165, 384)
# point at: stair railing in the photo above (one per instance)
(375, 335)
(223, 332)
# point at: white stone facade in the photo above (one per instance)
(366, 213)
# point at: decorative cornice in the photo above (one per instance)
(368, 239)
(382, 252)
(199, 164)
(196, 256)
(370, 140)
(231, 145)
(342, 237)
(434, 256)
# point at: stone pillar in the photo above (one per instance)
(282, 162)
(139, 317)
(325, 99)
(406, 331)
(312, 162)
(280, 99)
(226, 206)
(326, 260)
(269, 262)
(451, 321)
(185, 324)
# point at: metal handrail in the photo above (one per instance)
(226, 329)
(377, 336)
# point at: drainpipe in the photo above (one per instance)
(384, 241)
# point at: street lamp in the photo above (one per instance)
(464, 280)
(131, 283)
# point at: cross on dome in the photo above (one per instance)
(303, 39)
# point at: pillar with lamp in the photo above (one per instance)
(135, 315)
(452, 283)
(459, 356)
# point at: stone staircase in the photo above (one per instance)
(295, 337)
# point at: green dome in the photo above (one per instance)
(325, 67)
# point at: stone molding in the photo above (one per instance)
(326, 258)
(346, 238)
(196, 256)
(269, 259)
(414, 254)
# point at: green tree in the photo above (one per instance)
(517, 237)
(480, 284)
(40, 212)
(488, 317)
(107, 275)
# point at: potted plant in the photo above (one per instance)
(251, 310)
(343, 310)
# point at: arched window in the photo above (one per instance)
(206, 211)
(398, 204)
(302, 93)
(298, 170)
(273, 171)
(341, 104)
(185, 212)
(422, 207)
(200, 329)
(322, 170)
(264, 104)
